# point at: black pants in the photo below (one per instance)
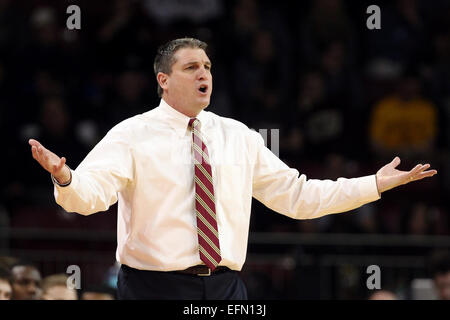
(136, 284)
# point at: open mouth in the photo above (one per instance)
(203, 88)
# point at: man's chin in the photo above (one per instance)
(204, 104)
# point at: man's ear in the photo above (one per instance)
(163, 79)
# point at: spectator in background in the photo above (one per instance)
(342, 82)
(402, 37)
(43, 51)
(265, 81)
(56, 125)
(250, 17)
(53, 123)
(121, 17)
(404, 122)
(329, 98)
(417, 220)
(440, 272)
(129, 96)
(35, 89)
(7, 262)
(261, 80)
(246, 22)
(54, 287)
(316, 124)
(424, 219)
(5, 284)
(383, 295)
(98, 293)
(26, 282)
(125, 33)
(326, 22)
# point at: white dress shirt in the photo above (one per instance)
(145, 164)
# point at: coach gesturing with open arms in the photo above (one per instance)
(183, 222)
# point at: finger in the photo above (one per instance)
(413, 174)
(37, 155)
(42, 152)
(61, 164)
(415, 170)
(395, 162)
(421, 169)
(425, 174)
(34, 142)
(34, 152)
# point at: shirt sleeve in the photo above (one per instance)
(283, 190)
(96, 182)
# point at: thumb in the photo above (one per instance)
(59, 166)
(395, 162)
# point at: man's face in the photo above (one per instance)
(188, 88)
(26, 283)
(442, 283)
(5, 290)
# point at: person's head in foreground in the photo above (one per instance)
(54, 287)
(383, 295)
(440, 273)
(183, 72)
(26, 282)
(98, 293)
(5, 284)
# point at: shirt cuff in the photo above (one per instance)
(368, 189)
(56, 183)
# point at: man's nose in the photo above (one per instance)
(202, 73)
(32, 288)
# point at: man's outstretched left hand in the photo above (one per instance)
(389, 177)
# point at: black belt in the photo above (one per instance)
(202, 270)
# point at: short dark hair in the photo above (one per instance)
(165, 59)
(24, 263)
(5, 275)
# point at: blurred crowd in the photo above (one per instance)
(345, 99)
(23, 280)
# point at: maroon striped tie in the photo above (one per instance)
(205, 208)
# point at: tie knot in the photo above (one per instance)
(194, 123)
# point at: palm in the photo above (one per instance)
(392, 173)
(389, 177)
(47, 159)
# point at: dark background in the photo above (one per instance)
(346, 100)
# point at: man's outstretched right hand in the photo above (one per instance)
(50, 162)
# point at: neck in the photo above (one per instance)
(189, 112)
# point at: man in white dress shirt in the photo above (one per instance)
(166, 195)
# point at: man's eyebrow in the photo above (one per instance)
(195, 62)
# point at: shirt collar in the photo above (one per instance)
(179, 121)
